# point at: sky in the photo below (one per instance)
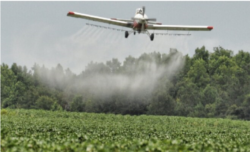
(42, 33)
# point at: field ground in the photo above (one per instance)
(37, 130)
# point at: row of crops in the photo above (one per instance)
(36, 130)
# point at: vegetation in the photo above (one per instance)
(213, 84)
(38, 130)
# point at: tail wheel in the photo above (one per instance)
(152, 37)
(126, 34)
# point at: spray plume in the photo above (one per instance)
(137, 79)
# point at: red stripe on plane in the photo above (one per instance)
(71, 13)
(135, 24)
(210, 27)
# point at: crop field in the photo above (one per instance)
(37, 130)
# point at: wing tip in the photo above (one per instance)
(210, 27)
(71, 13)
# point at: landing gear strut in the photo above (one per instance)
(151, 36)
(126, 34)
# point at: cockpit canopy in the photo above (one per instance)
(139, 11)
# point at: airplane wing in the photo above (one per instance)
(180, 27)
(124, 20)
(113, 21)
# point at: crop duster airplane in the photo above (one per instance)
(140, 23)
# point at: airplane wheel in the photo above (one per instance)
(152, 37)
(126, 34)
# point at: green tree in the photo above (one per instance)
(189, 96)
(198, 73)
(201, 53)
(246, 107)
(220, 51)
(209, 95)
(8, 87)
(162, 104)
(47, 103)
(114, 65)
(77, 104)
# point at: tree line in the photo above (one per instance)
(209, 84)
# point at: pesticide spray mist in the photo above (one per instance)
(99, 45)
(137, 80)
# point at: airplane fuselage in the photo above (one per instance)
(139, 20)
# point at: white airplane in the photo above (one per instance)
(140, 23)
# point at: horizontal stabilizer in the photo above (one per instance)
(151, 19)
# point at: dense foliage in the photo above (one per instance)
(208, 84)
(38, 130)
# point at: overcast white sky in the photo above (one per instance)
(40, 32)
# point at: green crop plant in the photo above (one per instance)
(38, 130)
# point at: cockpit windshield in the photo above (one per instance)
(139, 11)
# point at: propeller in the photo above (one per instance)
(143, 10)
(143, 13)
(148, 19)
(143, 19)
